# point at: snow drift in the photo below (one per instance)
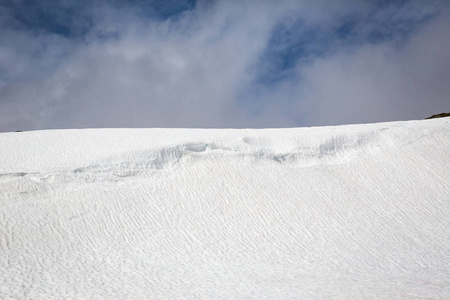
(348, 212)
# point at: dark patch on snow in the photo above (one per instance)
(442, 115)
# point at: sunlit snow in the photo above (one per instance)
(348, 212)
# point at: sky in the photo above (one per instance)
(221, 64)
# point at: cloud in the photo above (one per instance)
(222, 64)
(381, 82)
(356, 78)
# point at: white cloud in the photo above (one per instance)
(195, 70)
(381, 82)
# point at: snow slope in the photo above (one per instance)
(348, 212)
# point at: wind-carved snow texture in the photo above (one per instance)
(350, 212)
(335, 150)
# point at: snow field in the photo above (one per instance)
(348, 212)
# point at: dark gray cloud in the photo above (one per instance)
(221, 63)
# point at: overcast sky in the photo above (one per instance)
(215, 64)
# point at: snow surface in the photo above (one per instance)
(348, 212)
